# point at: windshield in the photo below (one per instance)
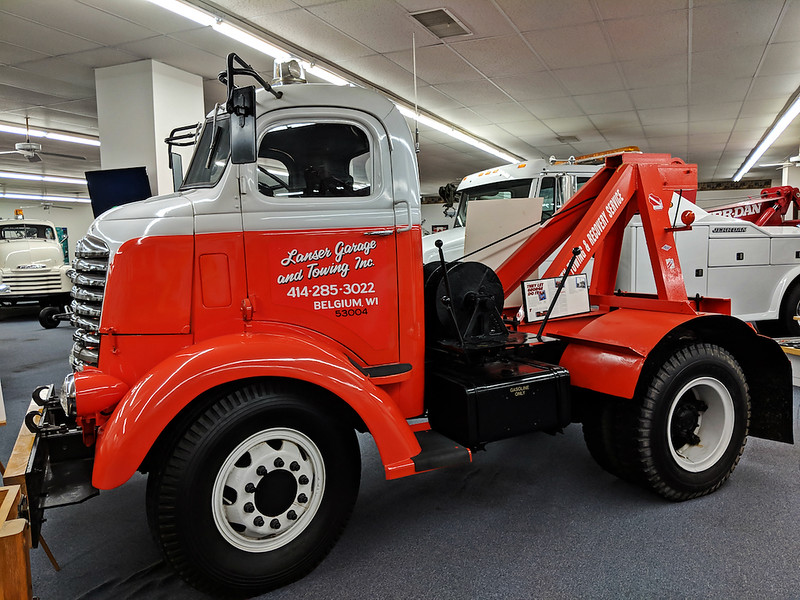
(515, 188)
(211, 154)
(20, 231)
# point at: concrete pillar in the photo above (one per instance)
(138, 104)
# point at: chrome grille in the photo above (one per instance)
(88, 277)
(33, 281)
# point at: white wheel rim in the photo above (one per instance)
(268, 490)
(714, 425)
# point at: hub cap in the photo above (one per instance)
(700, 424)
(268, 490)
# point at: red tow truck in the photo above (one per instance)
(233, 337)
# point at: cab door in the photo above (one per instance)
(319, 230)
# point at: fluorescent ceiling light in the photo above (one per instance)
(11, 196)
(51, 135)
(774, 134)
(185, 10)
(240, 35)
(456, 134)
(48, 178)
(324, 74)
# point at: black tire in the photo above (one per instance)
(47, 317)
(691, 423)
(599, 434)
(790, 308)
(233, 528)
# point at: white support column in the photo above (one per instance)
(138, 104)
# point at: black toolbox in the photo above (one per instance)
(477, 404)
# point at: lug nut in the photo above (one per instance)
(278, 462)
(302, 498)
(303, 480)
(275, 524)
(248, 508)
(249, 488)
(258, 521)
(261, 471)
(294, 466)
(291, 515)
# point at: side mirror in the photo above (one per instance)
(242, 108)
(176, 166)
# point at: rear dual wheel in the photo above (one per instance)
(683, 435)
(256, 491)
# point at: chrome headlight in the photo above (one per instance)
(67, 395)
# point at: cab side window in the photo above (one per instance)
(315, 159)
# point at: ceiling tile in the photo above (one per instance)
(473, 93)
(365, 20)
(385, 73)
(16, 98)
(577, 126)
(716, 63)
(781, 59)
(498, 56)
(12, 55)
(552, 108)
(504, 112)
(775, 86)
(40, 38)
(104, 57)
(593, 104)
(82, 20)
(530, 86)
(61, 69)
(528, 128)
(662, 116)
(436, 64)
(708, 91)
(615, 120)
(790, 24)
(654, 71)
(29, 80)
(531, 15)
(734, 24)
(181, 55)
(590, 80)
(558, 50)
(145, 14)
(659, 97)
(308, 31)
(625, 9)
(635, 37)
(714, 110)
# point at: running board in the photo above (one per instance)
(439, 451)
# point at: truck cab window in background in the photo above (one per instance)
(315, 159)
(29, 232)
(211, 154)
(517, 188)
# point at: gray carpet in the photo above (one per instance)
(532, 517)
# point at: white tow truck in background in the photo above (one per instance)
(745, 251)
(32, 267)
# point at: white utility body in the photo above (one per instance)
(758, 268)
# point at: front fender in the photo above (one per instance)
(169, 387)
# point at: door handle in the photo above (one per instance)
(408, 212)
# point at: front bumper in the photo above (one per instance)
(49, 460)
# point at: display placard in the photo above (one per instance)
(538, 294)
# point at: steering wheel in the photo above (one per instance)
(271, 188)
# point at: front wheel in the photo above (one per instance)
(790, 308)
(48, 317)
(256, 491)
(692, 422)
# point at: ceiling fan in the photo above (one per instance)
(790, 161)
(33, 150)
